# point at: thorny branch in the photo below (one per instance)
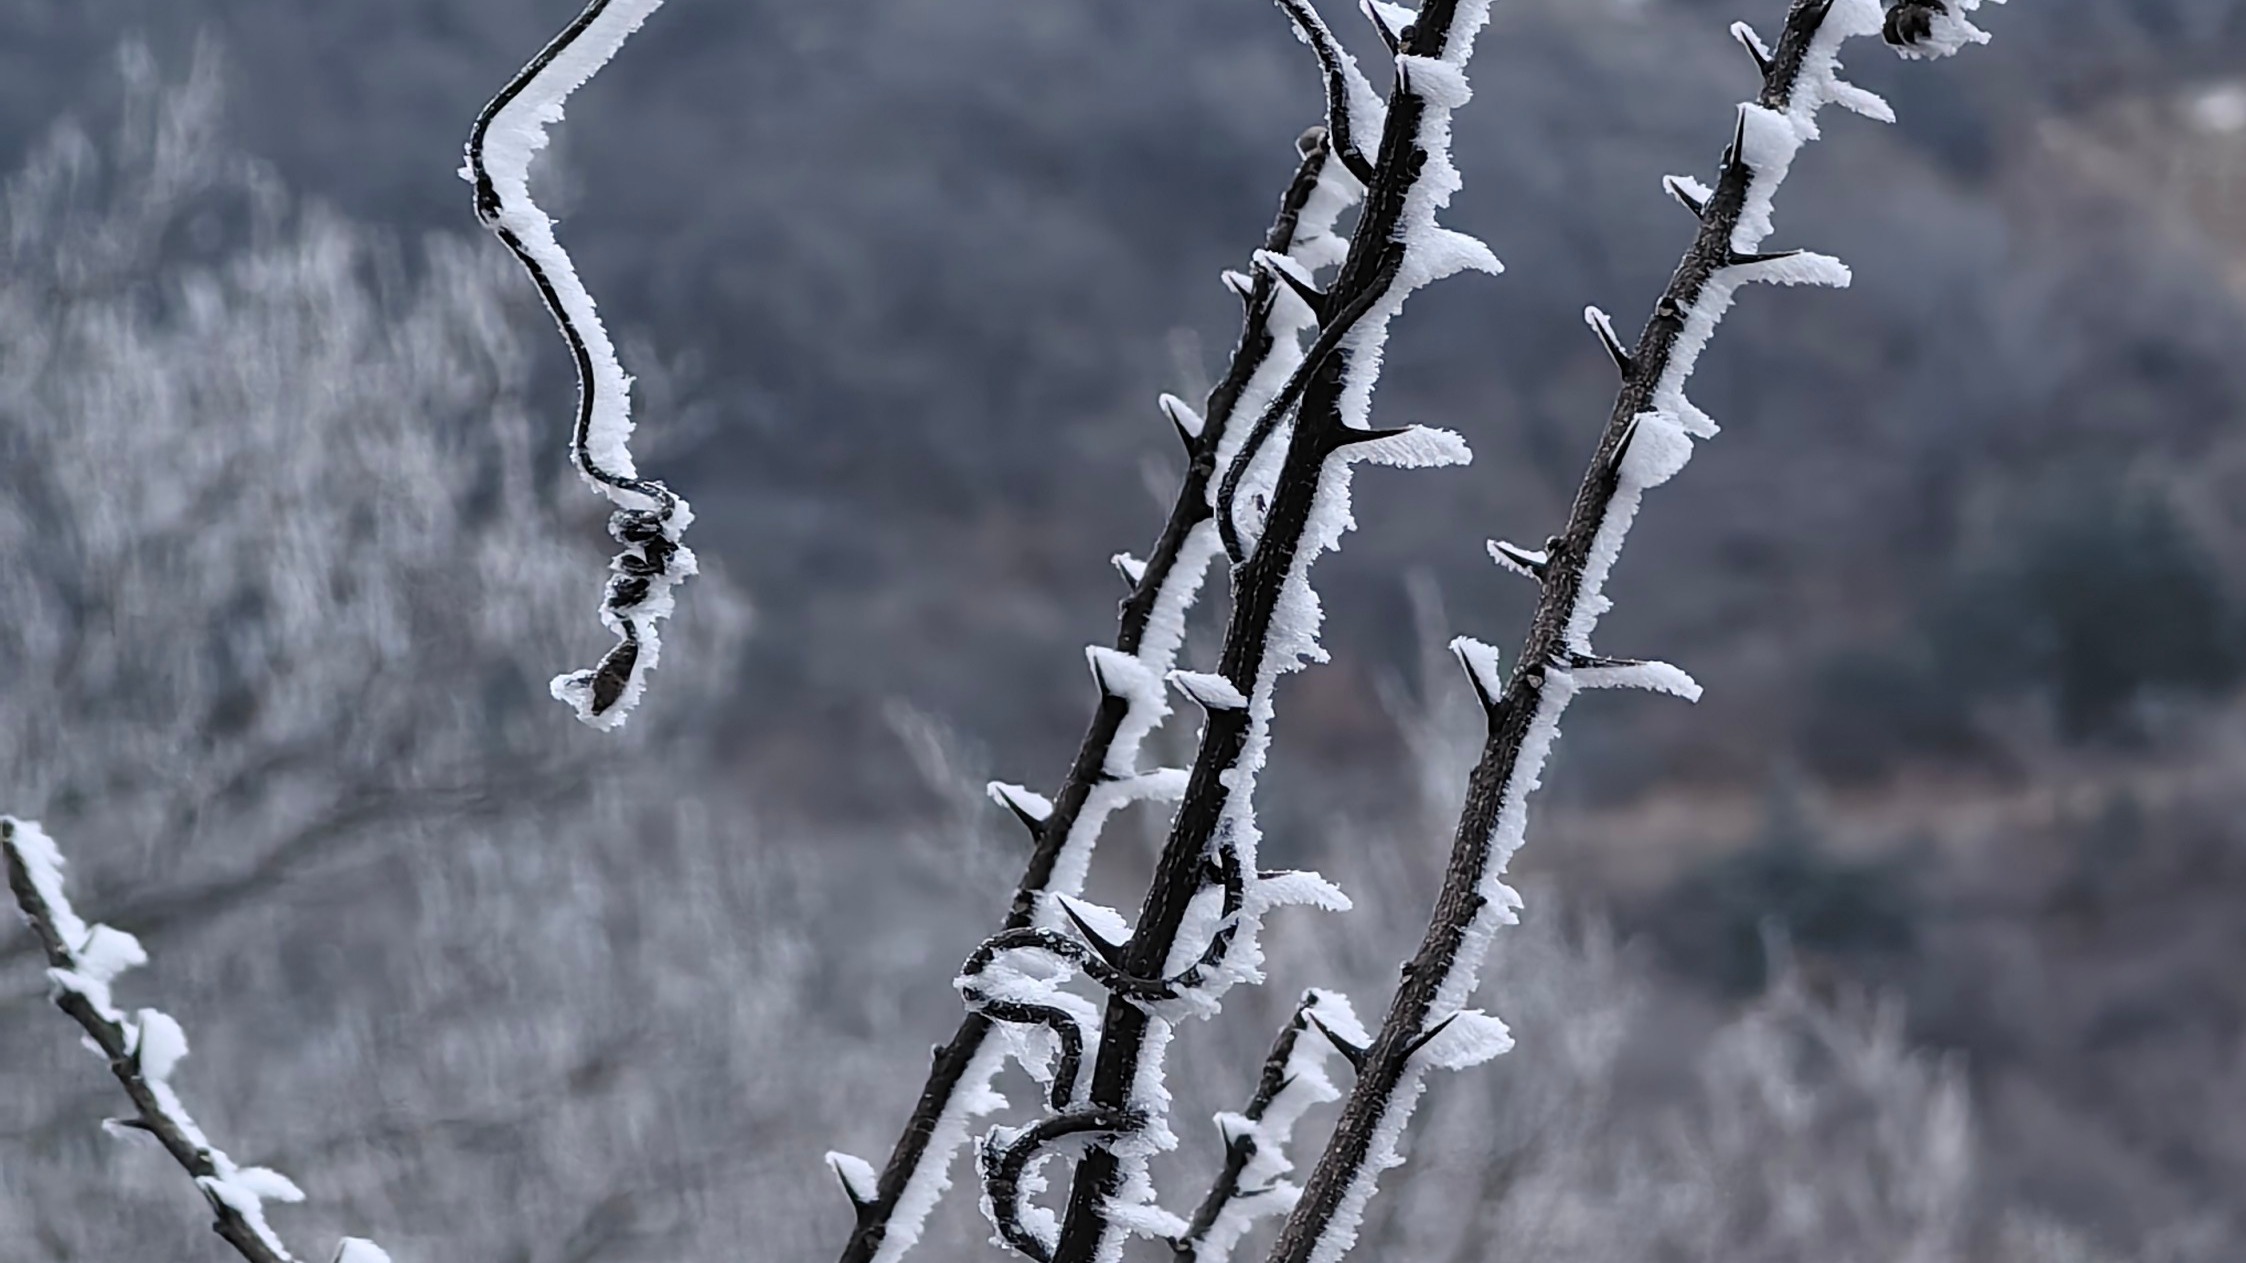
(649, 519)
(891, 1207)
(1299, 512)
(1646, 441)
(142, 1049)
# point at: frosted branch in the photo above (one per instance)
(1251, 1186)
(143, 1050)
(1282, 503)
(1105, 775)
(1647, 440)
(649, 519)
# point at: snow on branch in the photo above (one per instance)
(1648, 438)
(1283, 501)
(1016, 1007)
(649, 519)
(1252, 1185)
(143, 1050)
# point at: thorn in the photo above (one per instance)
(1476, 657)
(1031, 809)
(1131, 568)
(1690, 193)
(1182, 415)
(1350, 437)
(1424, 1038)
(1210, 691)
(1112, 953)
(1735, 259)
(1388, 35)
(1604, 327)
(1354, 1054)
(1756, 49)
(1520, 560)
(1736, 153)
(1622, 449)
(1239, 283)
(1311, 295)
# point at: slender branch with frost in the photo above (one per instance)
(1252, 1185)
(1647, 440)
(143, 1049)
(1283, 501)
(892, 1205)
(649, 518)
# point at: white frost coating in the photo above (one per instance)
(1104, 921)
(93, 957)
(1949, 32)
(1306, 1083)
(858, 1177)
(1018, 798)
(1745, 34)
(1208, 690)
(1131, 568)
(932, 1178)
(359, 1250)
(510, 135)
(1514, 559)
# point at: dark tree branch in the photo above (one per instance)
(1395, 248)
(1097, 780)
(142, 1049)
(1646, 440)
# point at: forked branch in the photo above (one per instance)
(143, 1049)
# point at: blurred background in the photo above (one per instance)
(1919, 938)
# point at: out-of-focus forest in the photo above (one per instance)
(1918, 938)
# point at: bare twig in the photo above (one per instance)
(142, 1050)
(649, 518)
(1647, 440)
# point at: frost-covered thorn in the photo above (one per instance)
(859, 1182)
(1182, 415)
(1131, 568)
(1604, 327)
(1481, 664)
(1689, 192)
(1389, 35)
(1426, 1037)
(1210, 691)
(1240, 283)
(1519, 560)
(1735, 153)
(1352, 1053)
(1738, 258)
(1031, 808)
(1111, 952)
(1756, 49)
(1288, 272)
(1622, 449)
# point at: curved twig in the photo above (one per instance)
(649, 518)
(1352, 108)
(1006, 1158)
